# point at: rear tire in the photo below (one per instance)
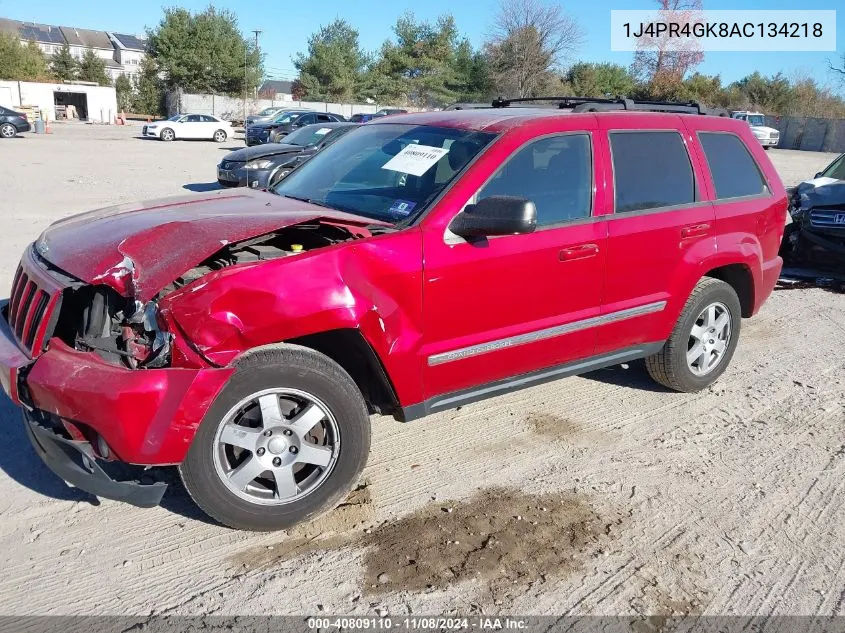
(167, 135)
(703, 340)
(220, 136)
(7, 130)
(279, 496)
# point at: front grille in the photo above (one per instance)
(827, 218)
(33, 300)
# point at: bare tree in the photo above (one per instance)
(837, 69)
(526, 45)
(662, 61)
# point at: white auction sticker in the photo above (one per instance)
(323, 130)
(415, 159)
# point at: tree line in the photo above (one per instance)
(528, 51)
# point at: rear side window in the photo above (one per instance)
(735, 174)
(650, 170)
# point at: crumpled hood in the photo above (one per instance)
(137, 249)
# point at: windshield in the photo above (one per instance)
(285, 117)
(308, 135)
(267, 111)
(385, 172)
(176, 117)
(836, 169)
(756, 119)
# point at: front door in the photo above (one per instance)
(505, 306)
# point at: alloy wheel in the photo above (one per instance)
(7, 131)
(709, 339)
(276, 446)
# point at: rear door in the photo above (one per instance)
(660, 228)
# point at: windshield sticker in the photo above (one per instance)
(402, 208)
(415, 159)
(322, 131)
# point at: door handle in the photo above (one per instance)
(581, 251)
(695, 230)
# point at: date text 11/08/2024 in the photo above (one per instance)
(419, 623)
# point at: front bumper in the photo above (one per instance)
(257, 178)
(150, 133)
(146, 416)
(769, 142)
(76, 463)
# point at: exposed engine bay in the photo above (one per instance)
(124, 331)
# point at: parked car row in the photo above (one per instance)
(265, 166)
(273, 124)
(284, 123)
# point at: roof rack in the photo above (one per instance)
(604, 104)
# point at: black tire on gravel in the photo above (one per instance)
(281, 366)
(669, 366)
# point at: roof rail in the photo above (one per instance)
(604, 104)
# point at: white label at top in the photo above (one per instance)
(323, 130)
(415, 159)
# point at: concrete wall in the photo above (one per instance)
(233, 108)
(809, 134)
(102, 100)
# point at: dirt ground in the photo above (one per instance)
(602, 494)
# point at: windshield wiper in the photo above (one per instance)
(317, 203)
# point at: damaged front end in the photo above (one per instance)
(106, 318)
(119, 329)
(816, 233)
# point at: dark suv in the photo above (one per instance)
(12, 123)
(421, 262)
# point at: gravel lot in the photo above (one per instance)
(603, 494)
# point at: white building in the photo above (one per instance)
(130, 51)
(92, 103)
(122, 53)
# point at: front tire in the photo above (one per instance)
(167, 135)
(703, 340)
(284, 441)
(7, 130)
(220, 136)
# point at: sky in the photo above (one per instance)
(286, 27)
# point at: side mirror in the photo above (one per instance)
(818, 175)
(496, 215)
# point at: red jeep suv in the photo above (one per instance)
(422, 262)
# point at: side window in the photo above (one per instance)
(555, 173)
(324, 118)
(735, 174)
(307, 119)
(208, 119)
(651, 170)
(193, 118)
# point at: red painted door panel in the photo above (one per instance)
(513, 286)
(652, 253)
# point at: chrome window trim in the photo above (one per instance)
(539, 335)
